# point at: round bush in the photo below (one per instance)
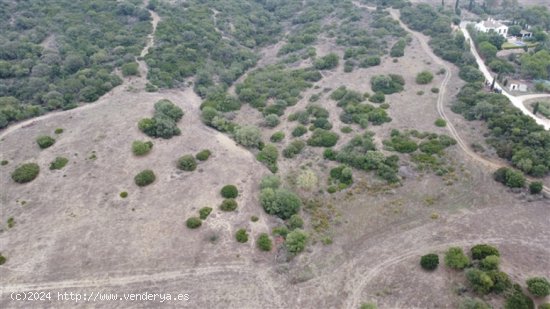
(205, 212)
(58, 131)
(254, 219)
(538, 286)
(482, 251)
(45, 141)
(187, 163)
(295, 222)
(229, 205)
(203, 155)
(490, 262)
(429, 261)
(280, 202)
(241, 236)
(264, 242)
(58, 163)
(277, 137)
(124, 194)
(229, 191)
(424, 78)
(440, 122)
(271, 120)
(4, 162)
(535, 187)
(25, 173)
(140, 148)
(144, 178)
(434, 90)
(456, 259)
(193, 222)
(296, 241)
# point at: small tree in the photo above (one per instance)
(45, 141)
(193, 222)
(280, 202)
(296, 241)
(187, 163)
(241, 236)
(144, 178)
(429, 261)
(229, 191)
(535, 187)
(456, 259)
(424, 77)
(229, 205)
(264, 242)
(25, 173)
(538, 286)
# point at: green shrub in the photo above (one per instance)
(434, 90)
(45, 141)
(429, 261)
(164, 122)
(299, 131)
(203, 155)
(473, 303)
(145, 178)
(296, 241)
(2, 259)
(277, 137)
(11, 222)
(293, 149)
(271, 120)
(518, 300)
(440, 122)
(193, 222)
(538, 286)
(280, 231)
(378, 97)
(241, 236)
(187, 163)
(544, 306)
(229, 205)
(268, 156)
(323, 138)
(387, 84)
(229, 191)
(204, 212)
(480, 281)
(129, 69)
(327, 62)
(481, 251)
(254, 219)
(58, 131)
(270, 181)
(58, 163)
(25, 173)
(140, 148)
(248, 136)
(490, 262)
(424, 77)
(501, 281)
(456, 259)
(346, 130)
(123, 194)
(264, 242)
(280, 202)
(369, 305)
(535, 187)
(4, 162)
(295, 222)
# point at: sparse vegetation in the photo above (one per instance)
(144, 178)
(25, 173)
(58, 131)
(293, 149)
(2, 259)
(58, 163)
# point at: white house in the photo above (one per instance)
(491, 24)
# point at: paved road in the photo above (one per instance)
(516, 101)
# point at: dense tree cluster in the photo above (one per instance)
(57, 53)
(164, 122)
(355, 111)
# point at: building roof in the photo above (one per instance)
(524, 32)
(491, 23)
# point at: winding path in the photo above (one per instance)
(517, 101)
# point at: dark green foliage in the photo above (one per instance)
(424, 77)
(164, 122)
(203, 155)
(387, 84)
(471, 74)
(544, 306)
(456, 259)
(2, 259)
(280, 202)
(221, 102)
(398, 49)
(480, 281)
(370, 61)
(342, 174)
(264, 242)
(481, 251)
(538, 286)
(204, 212)
(140, 148)
(187, 163)
(271, 120)
(295, 222)
(254, 219)
(429, 261)
(441, 122)
(55, 53)
(378, 97)
(45, 141)
(58, 131)
(346, 130)
(299, 131)
(323, 138)
(123, 194)
(129, 69)
(4, 162)
(248, 136)
(296, 241)
(280, 231)
(473, 303)
(356, 112)
(228, 205)
(275, 82)
(490, 262)
(402, 143)
(10, 222)
(277, 137)
(518, 300)
(535, 187)
(268, 156)
(327, 62)
(501, 281)
(58, 163)
(509, 177)
(193, 223)
(229, 191)
(241, 235)
(25, 173)
(144, 178)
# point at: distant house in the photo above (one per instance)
(518, 87)
(492, 25)
(525, 34)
